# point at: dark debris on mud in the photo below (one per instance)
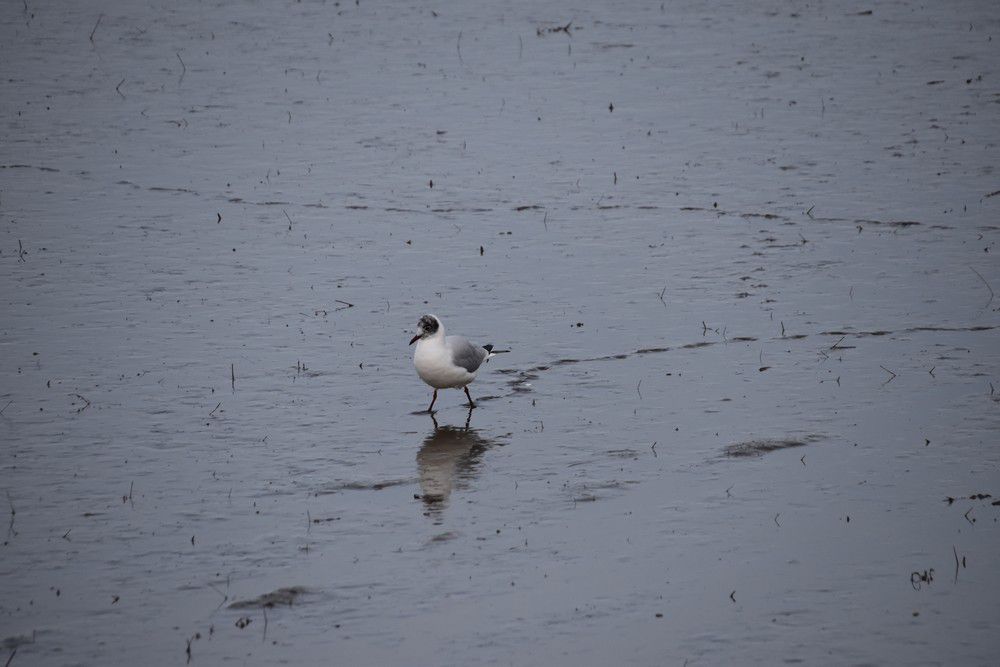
(756, 448)
(364, 486)
(282, 596)
(15, 641)
(593, 490)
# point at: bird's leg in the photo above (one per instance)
(431, 408)
(471, 404)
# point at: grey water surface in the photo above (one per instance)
(743, 255)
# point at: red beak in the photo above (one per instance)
(414, 339)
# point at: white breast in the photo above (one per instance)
(434, 365)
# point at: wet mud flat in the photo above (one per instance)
(744, 259)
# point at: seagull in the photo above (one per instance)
(446, 362)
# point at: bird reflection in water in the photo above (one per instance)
(448, 459)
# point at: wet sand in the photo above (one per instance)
(743, 258)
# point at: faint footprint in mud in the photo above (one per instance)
(448, 458)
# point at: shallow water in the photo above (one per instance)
(743, 258)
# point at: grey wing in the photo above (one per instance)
(465, 354)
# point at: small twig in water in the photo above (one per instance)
(458, 47)
(637, 389)
(232, 375)
(95, 28)
(215, 408)
(985, 283)
(264, 638)
(6, 406)
(776, 519)
(955, 551)
(13, 513)
(118, 88)
(889, 372)
(662, 292)
(346, 305)
(184, 68)
(224, 596)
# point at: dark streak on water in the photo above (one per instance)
(755, 448)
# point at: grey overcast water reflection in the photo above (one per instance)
(743, 255)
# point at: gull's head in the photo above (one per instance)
(427, 327)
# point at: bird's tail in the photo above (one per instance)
(490, 352)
